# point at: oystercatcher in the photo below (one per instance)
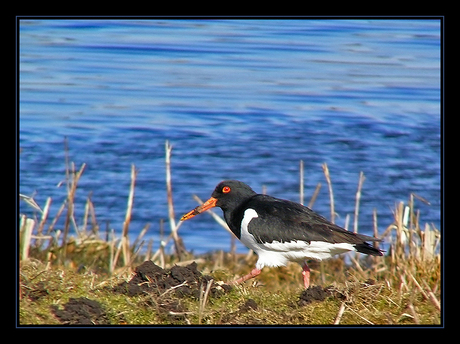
(278, 230)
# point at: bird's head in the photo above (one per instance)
(228, 194)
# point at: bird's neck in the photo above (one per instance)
(234, 214)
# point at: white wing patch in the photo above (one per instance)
(246, 237)
(279, 254)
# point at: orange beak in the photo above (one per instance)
(210, 203)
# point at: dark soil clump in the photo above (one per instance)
(81, 311)
(314, 293)
(180, 280)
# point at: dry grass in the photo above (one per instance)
(401, 288)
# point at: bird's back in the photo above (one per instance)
(284, 221)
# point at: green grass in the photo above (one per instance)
(366, 298)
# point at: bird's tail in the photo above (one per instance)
(368, 249)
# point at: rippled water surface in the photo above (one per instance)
(238, 99)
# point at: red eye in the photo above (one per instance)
(226, 189)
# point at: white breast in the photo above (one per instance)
(279, 254)
(247, 238)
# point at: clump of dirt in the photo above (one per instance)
(180, 280)
(314, 293)
(81, 311)
(318, 293)
(149, 278)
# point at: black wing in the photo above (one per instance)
(284, 221)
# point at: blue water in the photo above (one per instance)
(238, 99)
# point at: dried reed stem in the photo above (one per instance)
(358, 199)
(117, 254)
(41, 225)
(401, 237)
(433, 298)
(165, 242)
(419, 287)
(412, 247)
(376, 227)
(92, 211)
(178, 244)
(204, 299)
(85, 216)
(355, 260)
(26, 228)
(376, 235)
(140, 236)
(44, 216)
(301, 182)
(172, 220)
(30, 201)
(112, 252)
(363, 318)
(162, 245)
(340, 313)
(56, 218)
(71, 190)
(331, 193)
(123, 246)
(314, 196)
(89, 211)
(346, 222)
(129, 210)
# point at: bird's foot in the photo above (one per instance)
(255, 272)
(306, 275)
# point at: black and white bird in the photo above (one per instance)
(279, 231)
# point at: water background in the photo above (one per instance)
(238, 99)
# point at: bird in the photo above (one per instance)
(280, 231)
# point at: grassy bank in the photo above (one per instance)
(356, 296)
(77, 275)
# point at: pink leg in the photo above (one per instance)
(306, 275)
(255, 272)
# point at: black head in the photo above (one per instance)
(230, 193)
(227, 195)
